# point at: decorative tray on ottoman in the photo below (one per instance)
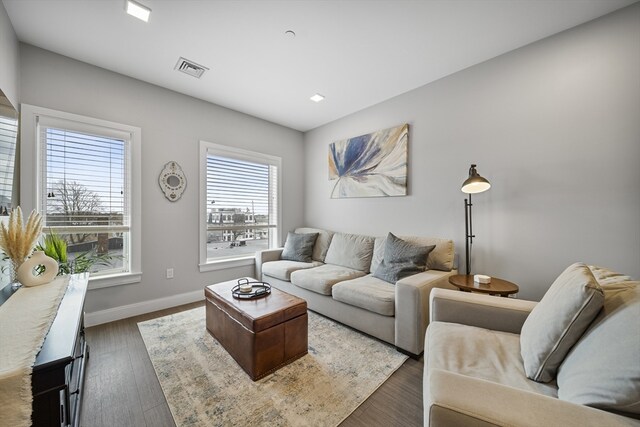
(257, 290)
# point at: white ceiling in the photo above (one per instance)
(356, 53)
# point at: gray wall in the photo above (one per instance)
(172, 125)
(555, 127)
(9, 59)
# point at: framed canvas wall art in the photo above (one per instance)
(371, 165)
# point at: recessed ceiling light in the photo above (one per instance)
(290, 34)
(138, 10)
(317, 97)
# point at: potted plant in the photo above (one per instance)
(56, 247)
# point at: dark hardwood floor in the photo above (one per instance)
(122, 389)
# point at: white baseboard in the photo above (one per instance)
(130, 310)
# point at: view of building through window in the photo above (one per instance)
(241, 206)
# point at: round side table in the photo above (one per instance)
(496, 287)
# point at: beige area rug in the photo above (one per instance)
(204, 386)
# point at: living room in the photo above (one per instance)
(551, 121)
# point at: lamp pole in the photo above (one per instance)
(468, 229)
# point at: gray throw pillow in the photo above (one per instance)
(401, 259)
(558, 321)
(322, 242)
(299, 247)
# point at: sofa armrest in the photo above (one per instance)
(412, 307)
(266, 256)
(483, 311)
(452, 399)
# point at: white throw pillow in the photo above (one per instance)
(558, 321)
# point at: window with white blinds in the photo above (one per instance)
(8, 138)
(241, 202)
(84, 191)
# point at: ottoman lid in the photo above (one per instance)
(256, 314)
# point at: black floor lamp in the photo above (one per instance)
(474, 184)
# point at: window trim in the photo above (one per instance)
(241, 154)
(30, 177)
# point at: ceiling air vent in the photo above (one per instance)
(190, 67)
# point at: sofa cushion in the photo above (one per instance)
(321, 279)
(351, 251)
(367, 292)
(603, 369)
(401, 259)
(299, 247)
(282, 269)
(479, 353)
(322, 242)
(558, 321)
(440, 258)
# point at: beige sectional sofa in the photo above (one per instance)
(339, 284)
(476, 360)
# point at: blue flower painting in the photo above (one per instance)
(372, 165)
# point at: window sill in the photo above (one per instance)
(227, 263)
(114, 280)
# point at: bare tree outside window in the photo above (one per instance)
(77, 206)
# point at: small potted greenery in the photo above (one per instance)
(55, 247)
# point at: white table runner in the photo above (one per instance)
(25, 319)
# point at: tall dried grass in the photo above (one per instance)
(18, 241)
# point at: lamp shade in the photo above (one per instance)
(475, 183)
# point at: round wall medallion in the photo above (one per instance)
(172, 181)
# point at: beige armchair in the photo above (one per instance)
(474, 373)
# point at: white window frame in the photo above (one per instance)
(240, 154)
(30, 179)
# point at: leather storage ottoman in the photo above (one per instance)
(262, 334)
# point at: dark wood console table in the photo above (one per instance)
(58, 372)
